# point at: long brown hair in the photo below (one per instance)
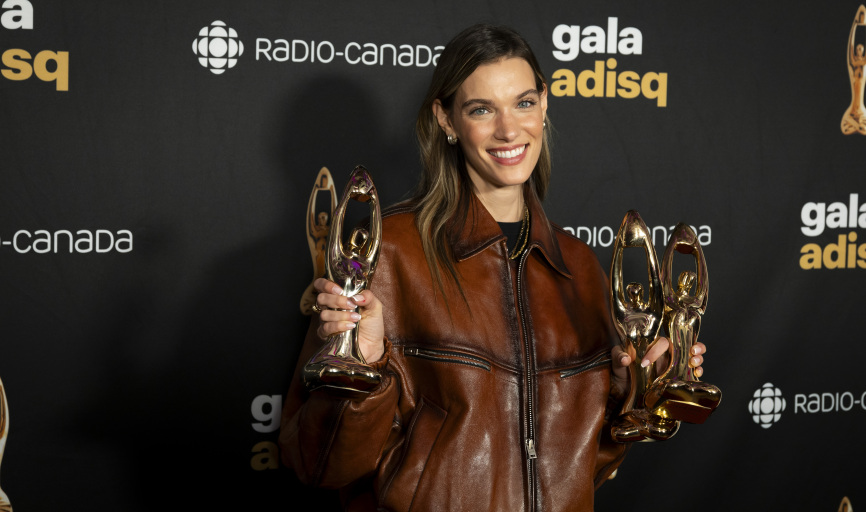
(444, 191)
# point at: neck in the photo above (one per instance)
(504, 205)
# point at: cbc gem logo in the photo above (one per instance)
(218, 47)
(767, 405)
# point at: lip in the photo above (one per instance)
(507, 156)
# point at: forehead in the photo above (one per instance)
(505, 78)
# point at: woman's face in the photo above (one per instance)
(498, 118)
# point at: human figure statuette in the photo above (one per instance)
(340, 366)
(637, 321)
(678, 393)
(658, 402)
(5, 506)
(854, 119)
(318, 231)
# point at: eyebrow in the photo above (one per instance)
(489, 102)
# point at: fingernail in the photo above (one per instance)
(355, 317)
(699, 371)
(351, 325)
(623, 360)
(645, 363)
(358, 299)
(694, 361)
(336, 290)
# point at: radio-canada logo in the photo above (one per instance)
(218, 47)
(767, 405)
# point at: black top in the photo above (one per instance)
(511, 230)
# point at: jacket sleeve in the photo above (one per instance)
(610, 453)
(331, 441)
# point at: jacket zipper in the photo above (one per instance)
(447, 356)
(529, 443)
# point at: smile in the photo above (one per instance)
(509, 153)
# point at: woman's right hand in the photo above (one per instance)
(341, 313)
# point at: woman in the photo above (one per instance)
(489, 325)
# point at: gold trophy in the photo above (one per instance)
(5, 506)
(678, 393)
(318, 230)
(637, 320)
(656, 404)
(854, 119)
(339, 366)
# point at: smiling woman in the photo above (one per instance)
(489, 325)
(501, 135)
(446, 186)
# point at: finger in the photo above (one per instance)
(620, 357)
(331, 301)
(330, 295)
(365, 298)
(368, 302)
(696, 361)
(334, 315)
(322, 285)
(327, 329)
(698, 348)
(656, 350)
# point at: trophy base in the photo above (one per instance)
(641, 425)
(689, 401)
(342, 377)
(854, 121)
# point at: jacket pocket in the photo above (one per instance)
(399, 493)
(594, 361)
(447, 356)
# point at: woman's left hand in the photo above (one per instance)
(619, 384)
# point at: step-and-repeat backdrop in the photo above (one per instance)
(156, 167)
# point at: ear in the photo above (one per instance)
(442, 117)
(543, 100)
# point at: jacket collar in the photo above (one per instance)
(480, 230)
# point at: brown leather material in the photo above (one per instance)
(399, 492)
(466, 385)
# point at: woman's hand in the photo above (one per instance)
(619, 384)
(340, 314)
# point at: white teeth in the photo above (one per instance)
(509, 154)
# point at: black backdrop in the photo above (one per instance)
(144, 367)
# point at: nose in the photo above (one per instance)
(507, 126)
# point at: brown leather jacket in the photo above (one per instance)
(498, 406)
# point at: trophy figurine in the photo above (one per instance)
(845, 505)
(318, 231)
(637, 321)
(677, 393)
(339, 366)
(854, 119)
(5, 506)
